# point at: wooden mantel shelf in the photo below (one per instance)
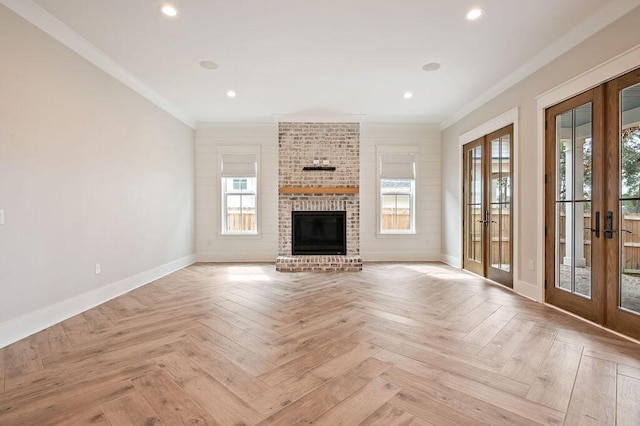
(324, 190)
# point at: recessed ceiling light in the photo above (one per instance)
(408, 95)
(210, 65)
(231, 93)
(474, 14)
(169, 10)
(431, 66)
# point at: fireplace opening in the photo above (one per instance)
(319, 232)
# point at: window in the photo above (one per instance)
(239, 205)
(397, 192)
(239, 194)
(240, 184)
(396, 199)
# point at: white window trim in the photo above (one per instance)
(220, 234)
(382, 150)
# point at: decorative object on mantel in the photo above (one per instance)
(319, 168)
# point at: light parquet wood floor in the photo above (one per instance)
(397, 344)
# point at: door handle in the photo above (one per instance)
(608, 225)
(485, 222)
(608, 230)
(596, 230)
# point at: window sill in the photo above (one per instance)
(396, 235)
(256, 236)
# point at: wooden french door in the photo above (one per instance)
(488, 195)
(592, 213)
(574, 205)
(622, 219)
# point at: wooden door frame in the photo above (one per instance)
(616, 318)
(593, 308)
(502, 277)
(484, 269)
(481, 268)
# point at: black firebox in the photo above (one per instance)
(319, 232)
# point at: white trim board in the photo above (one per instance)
(65, 35)
(614, 67)
(452, 261)
(33, 322)
(540, 205)
(497, 123)
(384, 256)
(608, 70)
(528, 290)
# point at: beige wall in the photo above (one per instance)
(89, 172)
(606, 44)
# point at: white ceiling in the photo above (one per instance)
(321, 58)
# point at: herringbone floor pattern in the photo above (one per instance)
(397, 344)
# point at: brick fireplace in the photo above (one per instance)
(319, 147)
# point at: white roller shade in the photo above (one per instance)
(398, 166)
(239, 165)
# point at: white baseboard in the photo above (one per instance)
(33, 322)
(530, 291)
(451, 260)
(267, 258)
(387, 256)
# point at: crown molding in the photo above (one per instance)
(51, 25)
(596, 22)
(607, 70)
(318, 118)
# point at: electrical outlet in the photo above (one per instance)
(532, 265)
(97, 268)
(316, 162)
(1, 217)
(325, 162)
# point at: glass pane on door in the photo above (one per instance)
(500, 203)
(474, 214)
(629, 214)
(564, 273)
(582, 250)
(574, 165)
